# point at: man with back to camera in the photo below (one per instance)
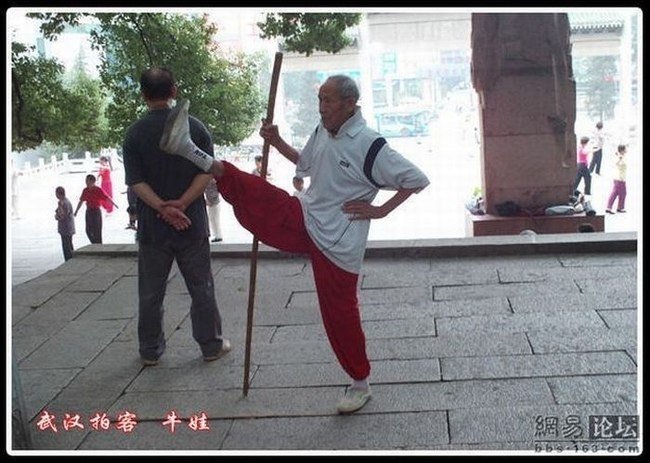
(156, 178)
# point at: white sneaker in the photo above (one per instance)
(353, 400)
(176, 138)
(176, 134)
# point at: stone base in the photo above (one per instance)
(488, 225)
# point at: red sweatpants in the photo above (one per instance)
(276, 219)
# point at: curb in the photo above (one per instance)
(445, 247)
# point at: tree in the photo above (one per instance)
(47, 106)
(222, 89)
(308, 32)
(88, 127)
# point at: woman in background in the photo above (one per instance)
(106, 184)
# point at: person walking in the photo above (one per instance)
(619, 189)
(156, 178)
(598, 140)
(348, 163)
(213, 203)
(65, 218)
(583, 171)
(95, 198)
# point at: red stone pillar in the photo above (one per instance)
(521, 69)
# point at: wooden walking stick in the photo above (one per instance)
(253, 275)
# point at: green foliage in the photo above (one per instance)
(48, 107)
(87, 128)
(309, 32)
(223, 90)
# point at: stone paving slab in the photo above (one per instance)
(38, 291)
(108, 374)
(227, 404)
(570, 302)
(19, 312)
(603, 288)
(118, 301)
(357, 432)
(232, 330)
(26, 338)
(540, 365)
(210, 376)
(521, 322)
(449, 395)
(458, 344)
(64, 306)
(411, 295)
(79, 265)
(75, 345)
(331, 374)
(96, 280)
(373, 329)
(441, 293)
(153, 435)
(285, 316)
(568, 273)
(41, 386)
(617, 319)
(594, 389)
(579, 340)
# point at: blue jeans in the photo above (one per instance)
(154, 265)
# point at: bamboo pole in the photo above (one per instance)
(275, 76)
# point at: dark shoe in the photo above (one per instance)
(609, 211)
(225, 348)
(216, 240)
(149, 362)
(622, 211)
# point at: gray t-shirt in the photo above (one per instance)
(335, 165)
(169, 176)
(65, 217)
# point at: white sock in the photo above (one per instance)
(196, 155)
(363, 384)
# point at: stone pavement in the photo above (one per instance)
(479, 344)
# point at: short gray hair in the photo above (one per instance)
(346, 86)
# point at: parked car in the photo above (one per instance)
(404, 123)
